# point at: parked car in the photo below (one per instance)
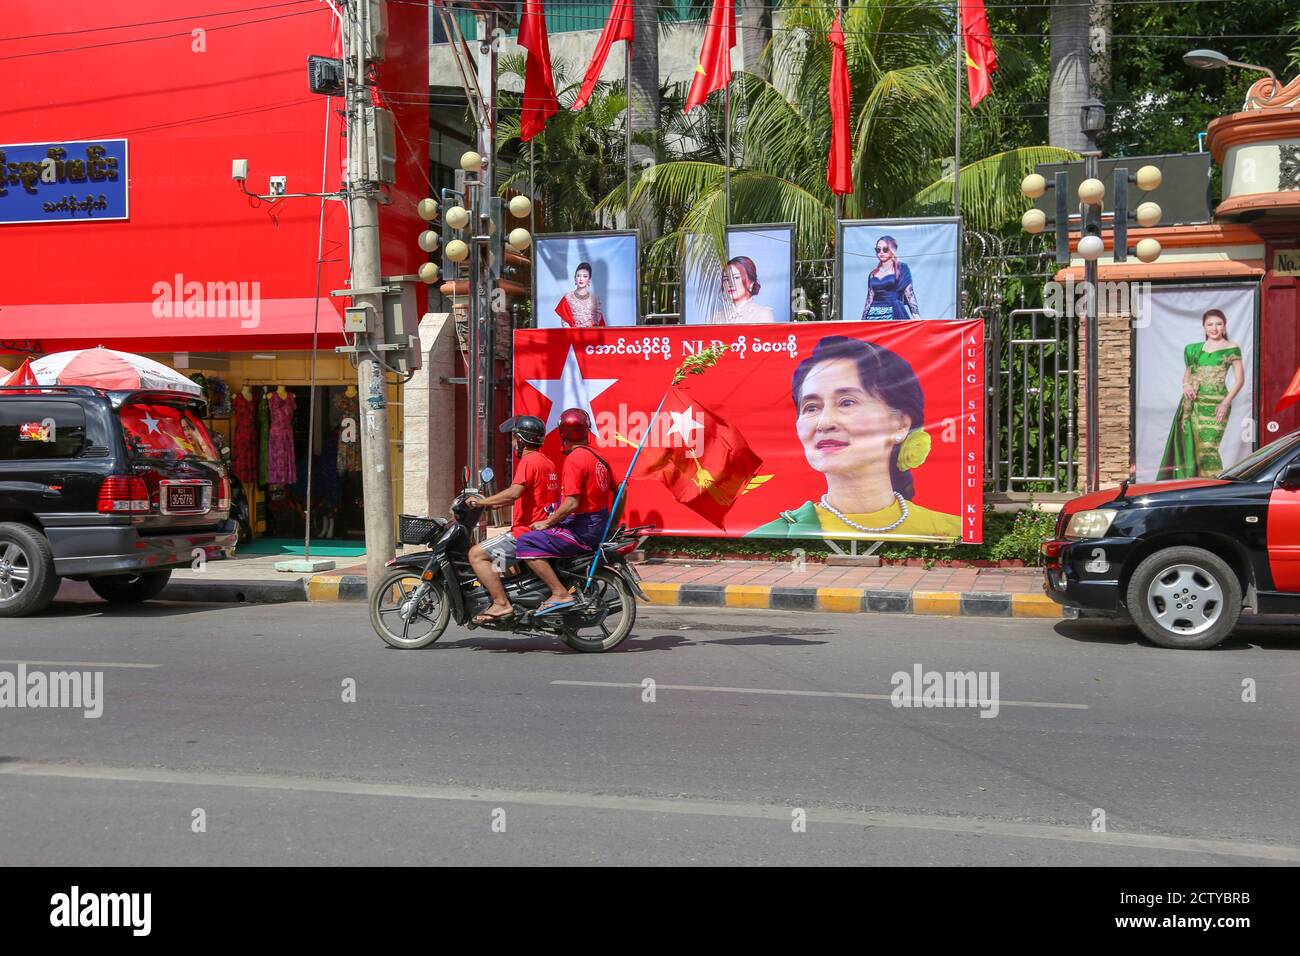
(116, 488)
(1184, 558)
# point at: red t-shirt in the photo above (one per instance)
(541, 494)
(586, 479)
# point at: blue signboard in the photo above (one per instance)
(63, 182)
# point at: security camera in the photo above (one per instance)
(239, 170)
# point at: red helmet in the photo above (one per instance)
(574, 426)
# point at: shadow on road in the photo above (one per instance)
(1271, 632)
(634, 644)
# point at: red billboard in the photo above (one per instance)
(867, 430)
(186, 88)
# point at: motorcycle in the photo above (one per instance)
(423, 591)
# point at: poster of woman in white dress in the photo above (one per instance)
(754, 285)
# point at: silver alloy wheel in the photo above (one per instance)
(15, 572)
(1185, 599)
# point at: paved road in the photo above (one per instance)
(238, 711)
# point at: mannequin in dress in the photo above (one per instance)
(282, 391)
(351, 391)
(247, 392)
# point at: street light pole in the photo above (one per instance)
(1093, 339)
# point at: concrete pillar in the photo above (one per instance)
(429, 417)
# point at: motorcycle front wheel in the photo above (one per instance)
(611, 592)
(408, 613)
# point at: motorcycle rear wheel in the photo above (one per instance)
(423, 625)
(610, 589)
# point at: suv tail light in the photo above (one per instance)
(123, 494)
(223, 494)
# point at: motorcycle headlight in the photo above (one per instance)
(1090, 524)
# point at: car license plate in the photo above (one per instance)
(184, 498)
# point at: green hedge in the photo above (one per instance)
(1007, 536)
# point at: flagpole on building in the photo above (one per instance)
(959, 57)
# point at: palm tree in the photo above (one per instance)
(755, 35)
(578, 158)
(900, 58)
(645, 77)
(1069, 91)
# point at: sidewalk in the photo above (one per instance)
(987, 592)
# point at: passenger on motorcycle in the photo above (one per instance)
(535, 491)
(587, 491)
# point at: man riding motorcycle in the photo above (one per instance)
(576, 526)
(535, 492)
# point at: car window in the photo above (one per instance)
(1250, 467)
(166, 431)
(38, 430)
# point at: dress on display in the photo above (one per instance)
(581, 311)
(890, 296)
(263, 435)
(281, 466)
(244, 458)
(348, 410)
(1192, 449)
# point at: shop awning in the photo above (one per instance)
(228, 324)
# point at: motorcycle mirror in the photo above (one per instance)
(486, 475)
(465, 476)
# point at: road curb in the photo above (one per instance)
(236, 592)
(853, 600)
(837, 600)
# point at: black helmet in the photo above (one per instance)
(530, 429)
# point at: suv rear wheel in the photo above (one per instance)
(130, 588)
(1184, 598)
(28, 581)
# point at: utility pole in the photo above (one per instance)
(367, 288)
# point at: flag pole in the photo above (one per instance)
(627, 85)
(959, 57)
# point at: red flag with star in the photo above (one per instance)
(981, 59)
(713, 70)
(701, 458)
(540, 102)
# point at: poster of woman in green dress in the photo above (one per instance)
(1200, 422)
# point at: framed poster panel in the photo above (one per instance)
(1195, 364)
(899, 269)
(755, 287)
(847, 430)
(585, 280)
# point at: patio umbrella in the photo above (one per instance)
(22, 375)
(109, 369)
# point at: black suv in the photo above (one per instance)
(1184, 558)
(111, 487)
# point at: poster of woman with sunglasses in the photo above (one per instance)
(899, 269)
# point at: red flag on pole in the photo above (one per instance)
(703, 460)
(713, 71)
(540, 103)
(1289, 397)
(981, 60)
(617, 27)
(839, 164)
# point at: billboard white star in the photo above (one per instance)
(570, 390)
